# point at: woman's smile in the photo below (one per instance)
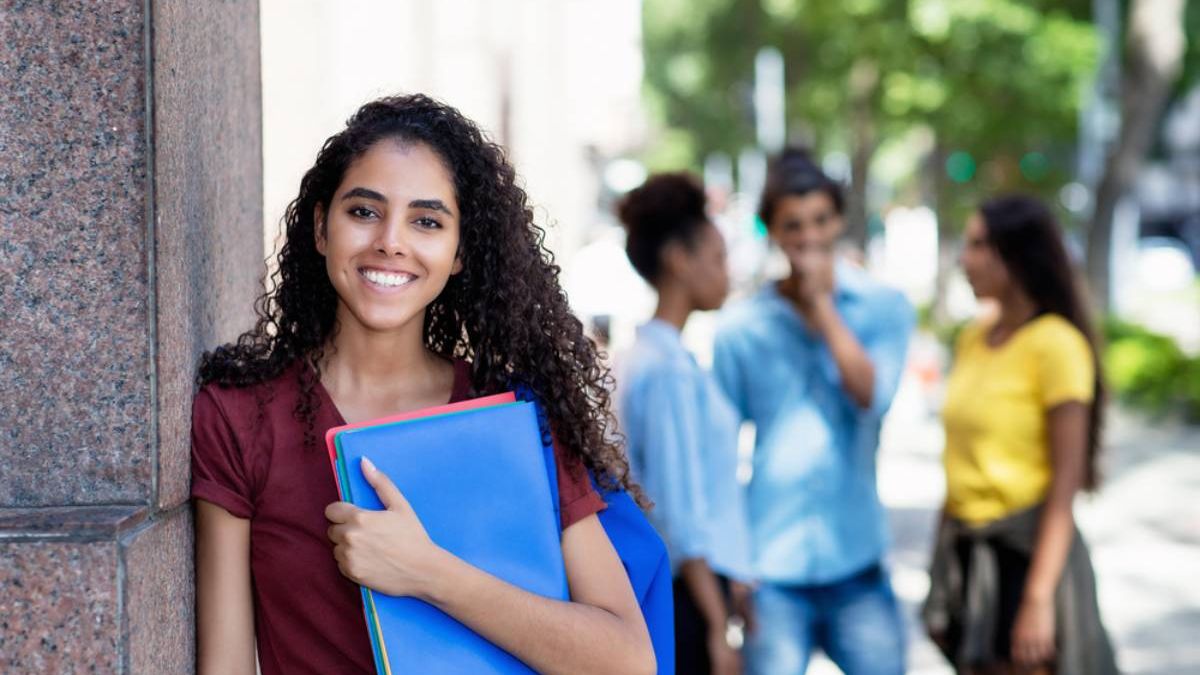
(384, 280)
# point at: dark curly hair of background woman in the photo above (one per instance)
(667, 207)
(505, 311)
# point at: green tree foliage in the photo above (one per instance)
(994, 84)
(1150, 372)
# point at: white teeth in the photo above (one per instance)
(387, 278)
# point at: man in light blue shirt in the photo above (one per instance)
(814, 361)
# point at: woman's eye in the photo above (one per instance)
(362, 212)
(427, 223)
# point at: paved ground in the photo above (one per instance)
(1143, 529)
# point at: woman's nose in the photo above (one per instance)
(391, 240)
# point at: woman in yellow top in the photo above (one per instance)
(1012, 587)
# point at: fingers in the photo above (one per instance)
(1020, 651)
(749, 618)
(1030, 651)
(339, 534)
(340, 512)
(387, 491)
(1042, 652)
(343, 563)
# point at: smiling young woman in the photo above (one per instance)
(411, 275)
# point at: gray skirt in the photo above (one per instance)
(963, 611)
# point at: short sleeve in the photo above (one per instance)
(727, 371)
(219, 471)
(577, 499)
(1066, 370)
(672, 433)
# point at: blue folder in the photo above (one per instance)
(479, 482)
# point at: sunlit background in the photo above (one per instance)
(922, 108)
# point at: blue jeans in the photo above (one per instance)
(856, 622)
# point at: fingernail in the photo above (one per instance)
(368, 464)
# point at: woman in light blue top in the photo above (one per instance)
(681, 431)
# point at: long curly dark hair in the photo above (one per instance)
(504, 312)
(1028, 240)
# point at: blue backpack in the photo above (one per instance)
(641, 550)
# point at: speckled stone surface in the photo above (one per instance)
(72, 523)
(208, 187)
(75, 344)
(159, 607)
(124, 252)
(59, 608)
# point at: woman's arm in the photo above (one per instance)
(601, 630)
(706, 592)
(1033, 630)
(224, 604)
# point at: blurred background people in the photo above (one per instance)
(1013, 589)
(814, 360)
(682, 433)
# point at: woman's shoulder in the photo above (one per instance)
(1054, 333)
(650, 358)
(250, 400)
(972, 333)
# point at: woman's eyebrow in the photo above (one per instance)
(431, 204)
(365, 194)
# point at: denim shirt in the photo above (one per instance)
(815, 515)
(682, 441)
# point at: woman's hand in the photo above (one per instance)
(725, 659)
(387, 551)
(741, 596)
(1033, 633)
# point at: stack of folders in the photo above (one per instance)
(476, 475)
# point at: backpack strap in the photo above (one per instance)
(642, 552)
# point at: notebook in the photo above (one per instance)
(380, 655)
(477, 478)
(458, 406)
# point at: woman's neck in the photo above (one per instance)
(362, 360)
(1016, 309)
(674, 307)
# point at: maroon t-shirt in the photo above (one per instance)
(253, 463)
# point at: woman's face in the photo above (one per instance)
(985, 270)
(390, 235)
(707, 274)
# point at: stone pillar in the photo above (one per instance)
(130, 241)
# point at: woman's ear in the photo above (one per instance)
(676, 259)
(458, 265)
(319, 226)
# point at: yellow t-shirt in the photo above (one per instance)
(997, 454)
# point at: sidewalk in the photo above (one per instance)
(1143, 529)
